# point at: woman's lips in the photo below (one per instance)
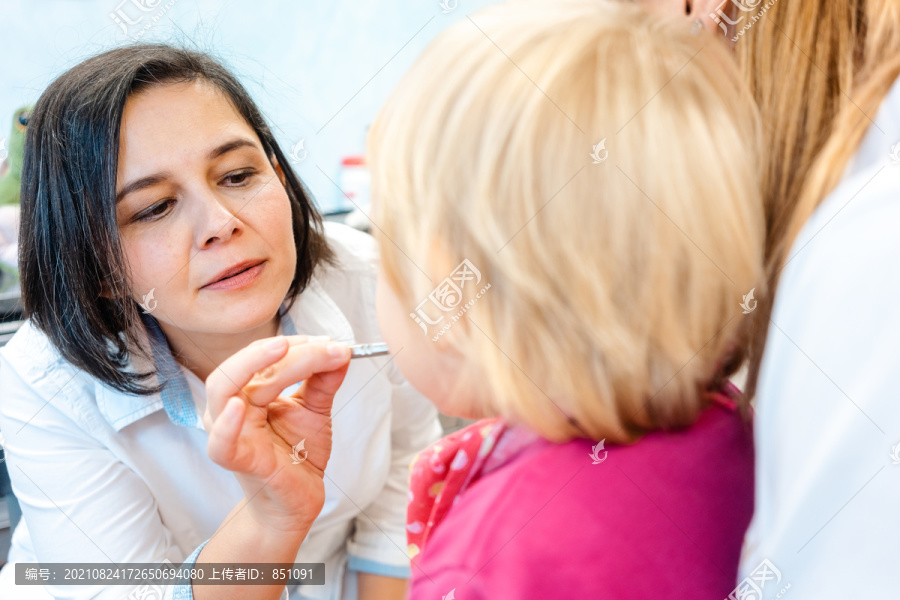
(239, 281)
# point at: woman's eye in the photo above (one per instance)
(238, 178)
(155, 211)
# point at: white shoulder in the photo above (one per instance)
(33, 373)
(350, 281)
(852, 234)
(31, 353)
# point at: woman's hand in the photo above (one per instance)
(278, 447)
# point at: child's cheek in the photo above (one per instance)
(386, 309)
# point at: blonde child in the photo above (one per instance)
(569, 216)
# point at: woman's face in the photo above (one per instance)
(204, 218)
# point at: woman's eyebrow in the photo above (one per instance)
(150, 180)
(139, 184)
(229, 146)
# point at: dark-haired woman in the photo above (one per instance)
(163, 237)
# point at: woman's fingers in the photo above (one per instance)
(308, 435)
(238, 369)
(301, 362)
(242, 367)
(317, 392)
(224, 434)
(254, 377)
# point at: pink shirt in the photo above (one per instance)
(663, 518)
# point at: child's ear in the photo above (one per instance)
(443, 262)
(443, 346)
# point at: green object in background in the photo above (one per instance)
(9, 277)
(14, 145)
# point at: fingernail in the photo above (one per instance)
(336, 349)
(274, 345)
(232, 409)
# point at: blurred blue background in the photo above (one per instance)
(319, 70)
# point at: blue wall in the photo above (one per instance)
(318, 69)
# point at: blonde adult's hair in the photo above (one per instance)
(615, 287)
(819, 70)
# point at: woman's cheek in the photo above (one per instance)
(154, 264)
(283, 223)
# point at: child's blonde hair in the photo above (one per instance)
(616, 279)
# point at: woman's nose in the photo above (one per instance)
(215, 219)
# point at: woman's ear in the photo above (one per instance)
(279, 171)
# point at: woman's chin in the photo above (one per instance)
(234, 317)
